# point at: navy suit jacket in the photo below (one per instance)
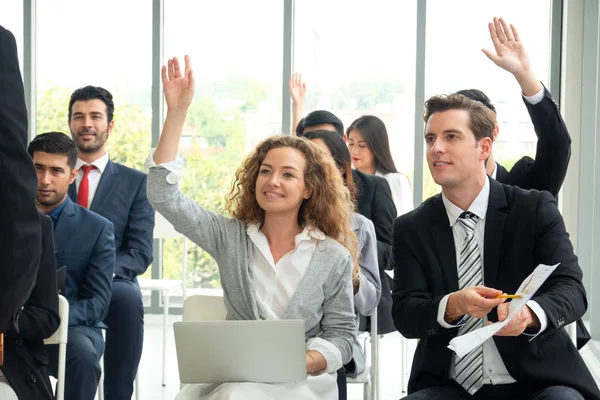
(84, 242)
(121, 198)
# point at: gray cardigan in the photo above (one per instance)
(324, 298)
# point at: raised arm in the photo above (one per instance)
(548, 170)
(179, 92)
(511, 56)
(203, 227)
(298, 93)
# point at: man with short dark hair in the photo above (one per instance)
(548, 170)
(84, 243)
(118, 193)
(462, 248)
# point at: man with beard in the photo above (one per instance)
(118, 193)
(84, 243)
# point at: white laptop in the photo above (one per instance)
(241, 351)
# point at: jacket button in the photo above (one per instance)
(32, 378)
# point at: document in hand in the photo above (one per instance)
(463, 345)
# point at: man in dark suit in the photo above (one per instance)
(118, 193)
(84, 243)
(462, 248)
(548, 170)
(25, 358)
(20, 229)
(374, 201)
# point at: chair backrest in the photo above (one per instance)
(60, 336)
(201, 307)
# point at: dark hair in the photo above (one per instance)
(340, 154)
(375, 136)
(93, 93)
(482, 121)
(54, 143)
(320, 117)
(478, 95)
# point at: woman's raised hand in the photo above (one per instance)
(178, 85)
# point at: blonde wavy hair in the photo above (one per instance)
(329, 208)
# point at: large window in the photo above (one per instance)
(456, 33)
(358, 59)
(237, 62)
(80, 43)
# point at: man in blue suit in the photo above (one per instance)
(84, 243)
(118, 193)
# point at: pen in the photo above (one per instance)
(508, 296)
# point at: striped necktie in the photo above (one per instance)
(469, 369)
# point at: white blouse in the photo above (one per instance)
(401, 191)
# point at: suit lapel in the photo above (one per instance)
(494, 229)
(107, 184)
(63, 231)
(443, 241)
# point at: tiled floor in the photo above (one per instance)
(151, 373)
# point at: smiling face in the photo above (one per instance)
(54, 177)
(89, 125)
(362, 156)
(280, 186)
(453, 155)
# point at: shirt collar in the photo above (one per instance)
(99, 163)
(55, 213)
(307, 233)
(495, 171)
(478, 207)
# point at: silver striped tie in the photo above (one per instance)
(469, 369)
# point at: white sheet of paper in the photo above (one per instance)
(464, 344)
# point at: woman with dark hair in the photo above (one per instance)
(370, 150)
(367, 298)
(284, 251)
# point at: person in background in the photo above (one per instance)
(118, 193)
(85, 244)
(367, 295)
(370, 150)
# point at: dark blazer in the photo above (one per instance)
(548, 170)
(20, 230)
(121, 199)
(25, 358)
(85, 244)
(522, 229)
(374, 201)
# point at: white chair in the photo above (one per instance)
(164, 230)
(370, 376)
(208, 306)
(60, 337)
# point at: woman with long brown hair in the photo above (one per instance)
(287, 251)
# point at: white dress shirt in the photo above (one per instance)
(93, 176)
(276, 283)
(494, 370)
(533, 100)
